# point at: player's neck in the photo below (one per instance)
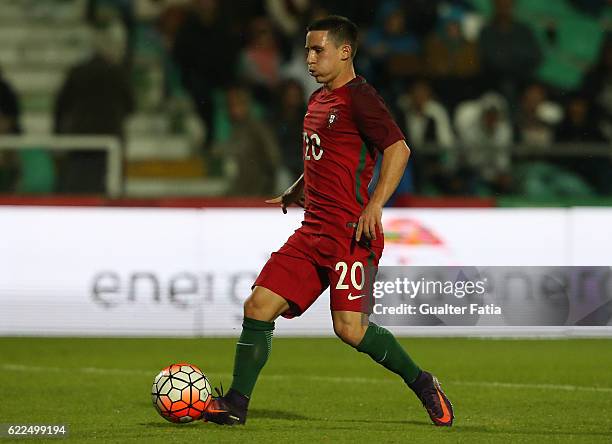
(342, 79)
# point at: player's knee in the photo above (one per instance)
(252, 307)
(349, 333)
(255, 307)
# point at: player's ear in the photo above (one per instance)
(345, 52)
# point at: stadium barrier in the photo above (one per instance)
(110, 145)
(186, 272)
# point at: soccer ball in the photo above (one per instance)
(181, 393)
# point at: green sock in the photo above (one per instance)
(380, 344)
(252, 351)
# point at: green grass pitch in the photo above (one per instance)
(316, 390)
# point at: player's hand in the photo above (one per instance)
(369, 221)
(292, 195)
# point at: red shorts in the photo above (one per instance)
(308, 263)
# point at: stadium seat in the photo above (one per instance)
(37, 123)
(145, 124)
(37, 172)
(35, 80)
(166, 147)
(175, 187)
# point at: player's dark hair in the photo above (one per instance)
(340, 28)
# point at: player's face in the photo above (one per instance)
(323, 57)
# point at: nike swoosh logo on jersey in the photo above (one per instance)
(352, 298)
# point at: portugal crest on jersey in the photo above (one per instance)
(332, 117)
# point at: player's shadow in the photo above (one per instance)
(385, 421)
(254, 413)
(481, 429)
(165, 424)
(277, 414)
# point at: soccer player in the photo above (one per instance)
(346, 125)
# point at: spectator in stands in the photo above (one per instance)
(251, 152)
(425, 121)
(318, 11)
(579, 126)
(362, 12)
(96, 98)
(293, 66)
(205, 51)
(294, 69)
(537, 117)
(597, 88)
(389, 46)
(451, 60)
(288, 119)
(239, 14)
(509, 52)
(260, 60)
(484, 130)
(117, 15)
(551, 177)
(288, 15)
(292, 18)
(422, 16)
(9, 108)
(171, 18)
(9, 124)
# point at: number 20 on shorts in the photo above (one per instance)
(354, 269)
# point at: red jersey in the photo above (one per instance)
(344, 129)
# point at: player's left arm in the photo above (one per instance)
(395, 159)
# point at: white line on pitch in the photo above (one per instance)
(334, 379)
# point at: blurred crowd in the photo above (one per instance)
(472, 83)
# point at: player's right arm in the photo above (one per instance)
(293, 194)
(394, 162)
(378, 129)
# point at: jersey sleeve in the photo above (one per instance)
(373, 119)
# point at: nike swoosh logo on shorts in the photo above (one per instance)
(352, 298)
